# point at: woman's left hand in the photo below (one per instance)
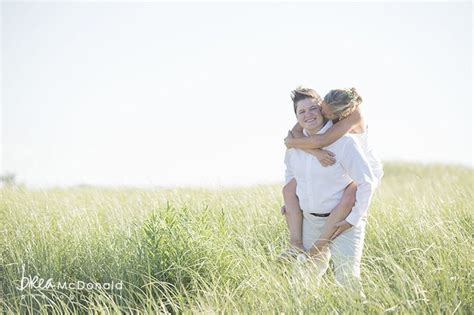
(340, 228)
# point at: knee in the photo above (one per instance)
(285, 191)
(349, 200)
(289, 190)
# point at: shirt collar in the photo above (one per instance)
(322, 130)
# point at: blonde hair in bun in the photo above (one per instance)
(343, 102)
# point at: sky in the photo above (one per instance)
(163, 94)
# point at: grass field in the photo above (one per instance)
(214, 250)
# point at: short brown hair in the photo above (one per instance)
(301, 93)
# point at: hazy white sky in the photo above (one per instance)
(198, 94)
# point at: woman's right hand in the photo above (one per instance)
(325, 157)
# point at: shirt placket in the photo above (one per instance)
(310, 183)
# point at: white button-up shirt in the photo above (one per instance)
(320, 188)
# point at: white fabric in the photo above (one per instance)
(372, 157)
(320, 188)
(345, 251)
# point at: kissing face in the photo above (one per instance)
(327, 111)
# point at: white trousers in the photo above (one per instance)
(345, 250)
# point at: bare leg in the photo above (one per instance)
(338, 214)
(293, 214)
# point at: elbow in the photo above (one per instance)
(348, 201)
(289, 189)
(349, 197)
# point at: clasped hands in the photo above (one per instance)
(325, 157)
(319, 248)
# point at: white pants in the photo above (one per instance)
(345, 250)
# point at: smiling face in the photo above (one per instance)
(309, 115)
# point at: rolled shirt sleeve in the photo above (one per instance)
(354, 162)
(289, 170)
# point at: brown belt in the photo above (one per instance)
(323, 215)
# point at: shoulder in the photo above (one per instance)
(345, 139)
(357, 121)
(347, 142)
(289, 153)
(295, 155)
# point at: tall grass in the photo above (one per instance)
(214, 250)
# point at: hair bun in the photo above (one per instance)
(355, 95)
